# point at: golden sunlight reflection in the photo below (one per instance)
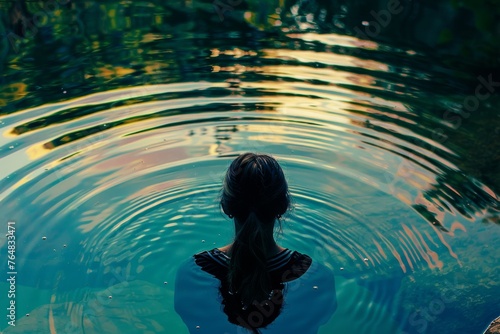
(12, 92)
(236, 53)
(456, 226)
(380, 249)
(450, 250)
(335, 39)
(410, 263)
(435, 211)
(423, 249)
(116, 95)
(306, 73)
(393, 250)
(334, 59)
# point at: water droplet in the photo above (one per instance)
(44, 238)
(315, 287)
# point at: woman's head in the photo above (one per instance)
(255, 193)
(255, 183)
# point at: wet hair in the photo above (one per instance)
(255, 193)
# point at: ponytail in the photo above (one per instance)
(254, 192)
(248, 274)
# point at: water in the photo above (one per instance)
(118, 120)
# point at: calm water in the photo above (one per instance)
(118, 120)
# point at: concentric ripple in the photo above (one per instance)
(124, 182)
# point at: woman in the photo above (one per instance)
(253, 271)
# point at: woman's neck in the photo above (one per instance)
(273, 249)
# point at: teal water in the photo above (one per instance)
(118, 120)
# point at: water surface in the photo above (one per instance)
(118, 120)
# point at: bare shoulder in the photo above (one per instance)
(224, 249)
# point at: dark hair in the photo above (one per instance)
(255, 193)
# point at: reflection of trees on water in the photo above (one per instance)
(90, 45)
(466, 29)
(476, 143)
(473, 186)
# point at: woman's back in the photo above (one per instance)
(308, 301)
